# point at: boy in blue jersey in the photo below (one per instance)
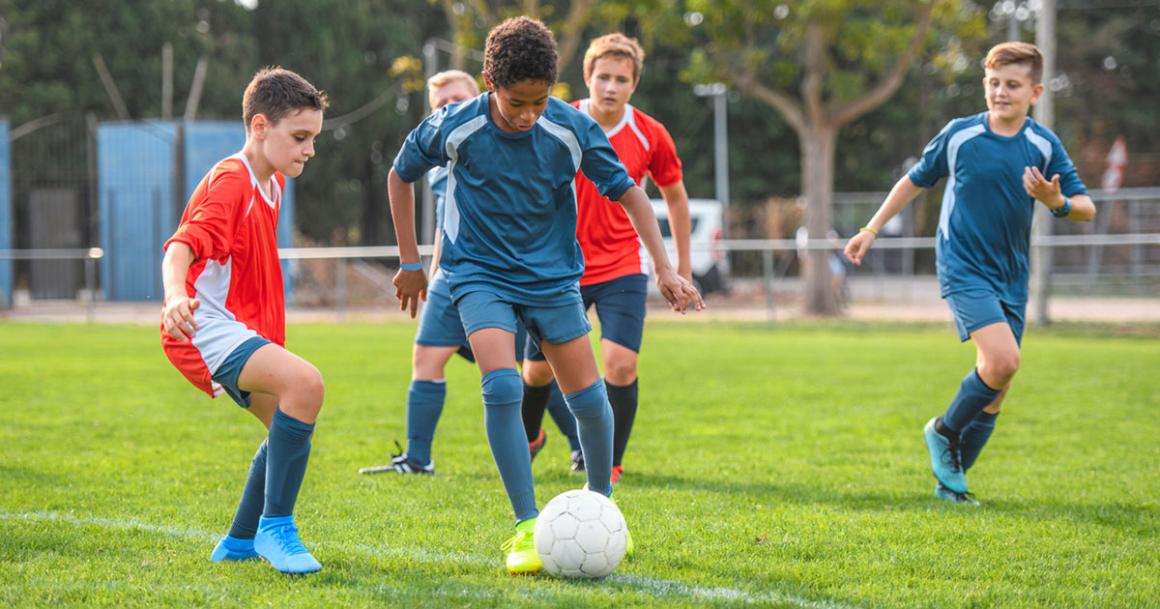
(509, 250)
(997, 163)
(440, 334)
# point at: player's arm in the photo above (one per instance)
(677, 200)
(177, 314)
(679, 292)
(900, 196)
(410, 286)
(1050, 193)
(435, 254)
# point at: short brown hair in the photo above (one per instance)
(447, 77)
(1021, 53)
(617, 45)
(276, 92)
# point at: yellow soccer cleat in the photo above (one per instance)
(522, 557)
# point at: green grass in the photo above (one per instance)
(772, 467)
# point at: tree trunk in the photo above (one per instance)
(818, 185)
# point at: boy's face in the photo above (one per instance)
(1010, 91)
(289, 143)
(518, 107)
(611, 83)
(451, 93)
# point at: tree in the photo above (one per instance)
(822, 64)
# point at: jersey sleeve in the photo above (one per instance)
(211, 221)
(665, 166)
(933, 165)
(600, 163)
(1061, 165)
(423, 148)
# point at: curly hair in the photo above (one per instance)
(520, 49)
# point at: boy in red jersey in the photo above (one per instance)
(223, 324)
(615, 267)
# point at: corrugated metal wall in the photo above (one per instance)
(138, 169)
(5, 217)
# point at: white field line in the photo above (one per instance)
(657, 588)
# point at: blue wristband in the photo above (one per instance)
(411, 266)
(1063, 210)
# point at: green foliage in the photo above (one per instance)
(768, 468)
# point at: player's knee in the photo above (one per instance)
(1002, 366)
(620, 370)
(589, 403)
(427, 364)
(502, 386)
(537, 374)
(309, 387)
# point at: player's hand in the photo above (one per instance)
(1041, 189)
(685, 273)
(177, 317)
(678, 291)
(410, 288)
(858, 245)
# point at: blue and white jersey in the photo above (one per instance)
(437, 179)
(509, 225)
(984, 228)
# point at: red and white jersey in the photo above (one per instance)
(610, 244)
(231, 226)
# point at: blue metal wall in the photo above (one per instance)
(137, 175)
(5, 217)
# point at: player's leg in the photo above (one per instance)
(298, 389)
(976, 434)
(491, 326)
(238, 544)
(620, 304)
(567, 424)
(537, 378)
(979, 316)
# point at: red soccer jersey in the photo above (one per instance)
(231, 226)
(611, 246)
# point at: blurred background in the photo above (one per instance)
(792, 120)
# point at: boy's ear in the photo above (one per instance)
(1036, 91)
(258, 125)
(487, 81)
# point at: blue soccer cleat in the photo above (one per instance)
(278, 542)
(231, 549)
(945, 460)
(946, 494)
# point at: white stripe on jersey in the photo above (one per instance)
(219, 331)
(565, 136)
(454, 140)
(1042, 144)
(948, 203)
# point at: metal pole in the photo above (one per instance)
(427, 219)
(767, 273)
(340, 289)
(1045, 115)
(721, 155)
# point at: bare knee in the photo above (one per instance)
(620, 370)
(427, 363)
(1000, 368)
(305, 393)
(537, 374)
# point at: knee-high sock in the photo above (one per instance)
(245, 523)
(974, 437)
(286, 458)
(563, 417)
(424, 406)
(502, 394)
(974, 395)
(532, 410)
(594, 423)
(623, 399)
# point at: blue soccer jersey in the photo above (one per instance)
(509, 223)
(437, 178)
(984, 229)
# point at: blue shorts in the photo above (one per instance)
(620, 306)
(555, 324)
(974, 309)
(440, 326)
(227, 374)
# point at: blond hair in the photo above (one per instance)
(447, 77)
(1018, 53)
(614, 45)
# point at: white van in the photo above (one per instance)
(709, 262)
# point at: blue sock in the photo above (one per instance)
(974, 395)
(424, 406)
(563, 417)
(286, 458)
(594, 423)
(974, 437)
(503, 394)
(253, 498)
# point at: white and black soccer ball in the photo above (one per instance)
(581, 533)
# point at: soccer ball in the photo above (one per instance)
(581, 533)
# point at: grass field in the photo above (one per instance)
(770, 467)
